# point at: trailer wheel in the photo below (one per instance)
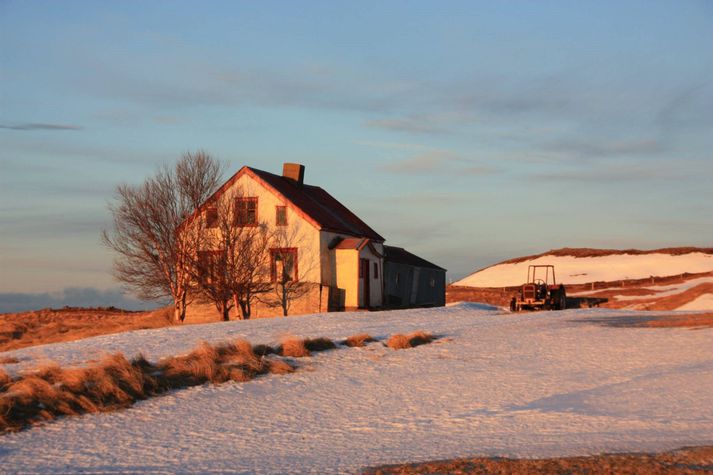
(513, 304)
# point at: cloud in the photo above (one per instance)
(614, 173)
(438, 161)
(604, 148)
(73, 297)
(407, 124)
(40, 126)
(421, 163)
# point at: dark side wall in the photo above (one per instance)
(410, 286)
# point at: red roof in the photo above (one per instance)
(318, 206)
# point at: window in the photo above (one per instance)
(376, 270)
(209, 264)
(396, 279)
(284, 264)
(281, 215)
(246, 211)
(211, 217)
(433, 282)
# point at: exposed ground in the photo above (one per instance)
(19, 330)
(696, 460)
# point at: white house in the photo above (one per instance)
(334, 251)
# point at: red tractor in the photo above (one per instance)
(541, 291)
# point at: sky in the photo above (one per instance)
(467, 132)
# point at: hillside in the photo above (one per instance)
(543, 384)
(39, 327)
(661, 279)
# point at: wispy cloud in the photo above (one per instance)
(438, 161)
(40, 126)
(606, 148)
(407, 124)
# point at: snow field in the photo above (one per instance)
(582, 270)
(540, 384)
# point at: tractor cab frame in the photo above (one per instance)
(540, 292)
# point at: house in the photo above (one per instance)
(341, 261)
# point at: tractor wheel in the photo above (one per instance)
(562, 299)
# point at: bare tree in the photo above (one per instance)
(232, 267)
(154, 252)
(288, 286)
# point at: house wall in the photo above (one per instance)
(347, 273)
(375, 282)
(317, 299)
(302, 233)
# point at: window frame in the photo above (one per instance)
(211, 217)
(238, 209)
(279, 208)
(274, 252)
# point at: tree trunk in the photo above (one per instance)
(179, 309)
(225, 310)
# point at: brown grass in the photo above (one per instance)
(402, 342)
(20, 330)
(114, 382)
(682, 461)
(358, 340)
(8, 360)
(294, 347)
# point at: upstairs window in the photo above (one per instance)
(246, 211)
(211, 217)
(376, 270)
(284, 264)
(281, 215)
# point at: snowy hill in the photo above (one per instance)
(494, 383)
(668, 279)
(577, 267)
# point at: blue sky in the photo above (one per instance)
(468, 132)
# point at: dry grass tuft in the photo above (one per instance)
(402, 342)
(294, 347)
(398, 342)
(359, 340)
(4, 378)
(8, 360)
(280, 367)
(319, 344)
(114, 382)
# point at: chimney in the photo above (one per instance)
(294, 171)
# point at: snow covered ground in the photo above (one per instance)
(582, 270)
(538, 384)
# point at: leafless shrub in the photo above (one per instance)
(8, 360)
(358, 340)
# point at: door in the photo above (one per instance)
(366, 290)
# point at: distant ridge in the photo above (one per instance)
(591, 252)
